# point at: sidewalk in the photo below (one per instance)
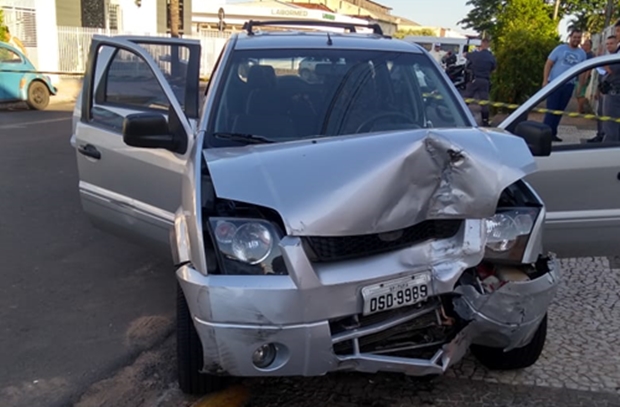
(68, 90)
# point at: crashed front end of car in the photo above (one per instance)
(391, 252)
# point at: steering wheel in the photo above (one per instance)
(384, 115)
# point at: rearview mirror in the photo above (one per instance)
(148, 130)
(537, 137)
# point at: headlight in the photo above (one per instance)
(248, 246)
(508, 232)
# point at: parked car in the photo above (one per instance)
(19, 80)
(307, 67)
(362, 222)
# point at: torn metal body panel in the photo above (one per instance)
(363, 184)
(314, 316)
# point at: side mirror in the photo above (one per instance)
(148, 130)
(537, 136)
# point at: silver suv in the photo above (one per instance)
(360, 222)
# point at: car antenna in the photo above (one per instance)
(329, 39)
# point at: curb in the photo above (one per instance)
(233, 396)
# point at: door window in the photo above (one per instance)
(131, 83)
(9, 57)
(128, 84)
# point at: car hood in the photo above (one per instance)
(373, 183)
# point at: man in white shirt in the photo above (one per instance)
(437, 53)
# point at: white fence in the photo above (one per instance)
(74, 46)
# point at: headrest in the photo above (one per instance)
(331, 69)
(262, 76)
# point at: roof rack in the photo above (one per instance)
(248, 25)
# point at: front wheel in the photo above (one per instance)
(190, 356)
(520, 358)
(38, 96)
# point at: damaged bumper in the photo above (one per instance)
(508, 317)
(312, 319)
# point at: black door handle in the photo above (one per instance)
(89, 151)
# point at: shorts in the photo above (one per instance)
(582, 94)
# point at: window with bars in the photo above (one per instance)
(22, 23)
(113, 16)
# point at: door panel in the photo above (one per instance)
(125, 190)
(10, 81)
(580, 181)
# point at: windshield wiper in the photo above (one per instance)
(246, 138)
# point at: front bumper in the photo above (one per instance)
(235, 315)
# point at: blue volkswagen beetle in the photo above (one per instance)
(18, 83)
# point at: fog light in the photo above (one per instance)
(264, 355)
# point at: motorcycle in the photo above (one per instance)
(459, 75)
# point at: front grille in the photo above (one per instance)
(328, 248)
(419, 337)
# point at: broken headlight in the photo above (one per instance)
(248, 246)
(508, 232)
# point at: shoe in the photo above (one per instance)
(556, 138)
(596, 139)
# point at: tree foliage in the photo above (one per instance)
(525, 34)
(592, 18)
(419, 31)
(2, 27)
(484, 14)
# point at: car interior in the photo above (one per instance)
(343, 98)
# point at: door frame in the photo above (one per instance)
(133, 218)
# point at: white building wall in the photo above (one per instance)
(47, 37)
(136, 19)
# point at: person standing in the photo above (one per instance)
(436, 53)
(581, 90)
(481, 64)
(611, 44)
(562, 58)
(611, 99)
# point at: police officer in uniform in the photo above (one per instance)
(481, 64)
(610, 87)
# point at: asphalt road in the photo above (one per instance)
(75, 304)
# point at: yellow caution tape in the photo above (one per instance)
(536, 109)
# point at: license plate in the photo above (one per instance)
(396, 293)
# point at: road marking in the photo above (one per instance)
(24, 124)
(234, 396)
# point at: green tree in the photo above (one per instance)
(592, 18)
(525, 34)
(419, 31)
(484, 14)
(2, 27)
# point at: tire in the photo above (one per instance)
(38, 96)
(190, 356)
(520, 358)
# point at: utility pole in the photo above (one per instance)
(556, 11)
(609, 11)
(174, 33)
(174, 18)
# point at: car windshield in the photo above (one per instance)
(283, 95)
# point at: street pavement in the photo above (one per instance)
(75, 304)
(86, 319)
